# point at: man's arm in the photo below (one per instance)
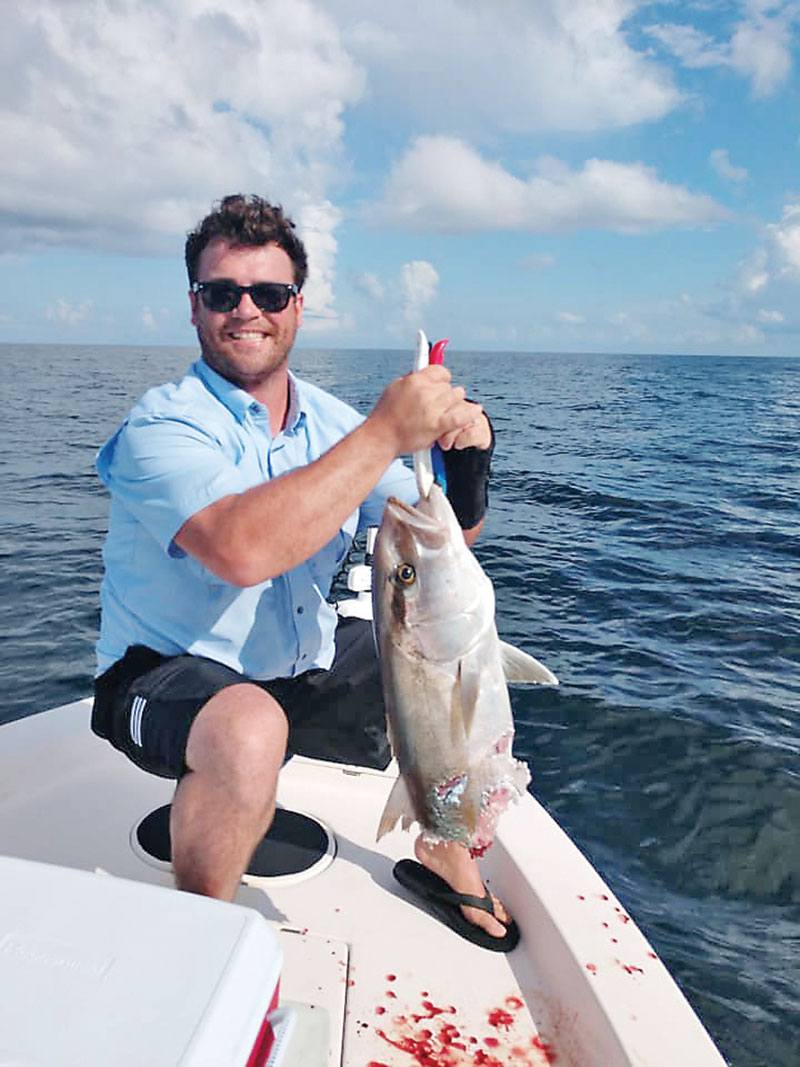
(265, 531)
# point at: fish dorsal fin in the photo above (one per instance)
(518, 666)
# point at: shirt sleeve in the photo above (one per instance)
(163, 471)
(399, 481)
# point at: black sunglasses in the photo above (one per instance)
(223, 295)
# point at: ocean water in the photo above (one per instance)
(643, 541)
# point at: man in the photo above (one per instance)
(235, 494)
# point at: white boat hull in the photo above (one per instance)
(584, 987)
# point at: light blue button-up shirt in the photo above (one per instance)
(182, 447)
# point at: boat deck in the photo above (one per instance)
(391, 986)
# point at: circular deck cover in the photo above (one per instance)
(296, 846)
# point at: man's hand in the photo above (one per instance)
(477, 435)
(423, 407)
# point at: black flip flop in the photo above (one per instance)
(436, 897)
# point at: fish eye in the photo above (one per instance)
(405, 574)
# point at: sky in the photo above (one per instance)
(516, 175)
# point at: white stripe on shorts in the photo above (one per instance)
(137, 709)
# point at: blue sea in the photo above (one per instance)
(643, 541)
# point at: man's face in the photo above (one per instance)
(246, 345)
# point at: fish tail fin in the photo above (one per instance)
(398, 805)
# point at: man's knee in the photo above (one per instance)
(241, 732)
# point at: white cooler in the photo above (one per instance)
(96, 970)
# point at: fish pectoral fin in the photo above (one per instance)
(464, 700)
(397, 806)
(518, 666)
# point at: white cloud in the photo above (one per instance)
(747, 334)
(149, 320)
(316, 224)
(759, 48)
(628, 327)
(783, 239)
(776, 260)
(128, 119)
(69, 314)
(720, 161)
(690, 46)
(443, 184)
(763, 297)
(753, 275)
(371, 285)
(760, 51)
(511, 65)
(570, 318)
(537, 261)
(419, 285)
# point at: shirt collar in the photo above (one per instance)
(239, 402)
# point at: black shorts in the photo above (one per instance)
(146, 702)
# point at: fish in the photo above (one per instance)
(444, 674)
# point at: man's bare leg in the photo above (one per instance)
(454, 863)
(226, 802)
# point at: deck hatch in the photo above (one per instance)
(295, 847)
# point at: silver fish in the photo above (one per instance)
(444, 674)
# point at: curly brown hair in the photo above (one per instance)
(247, 221)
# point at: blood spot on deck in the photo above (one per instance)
(500, 1017)
(437, 1037)
(630, 968)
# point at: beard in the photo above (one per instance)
(247, 365)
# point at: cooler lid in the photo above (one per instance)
(100, 970)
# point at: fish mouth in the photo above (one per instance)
(424, 521)
(414, 513)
